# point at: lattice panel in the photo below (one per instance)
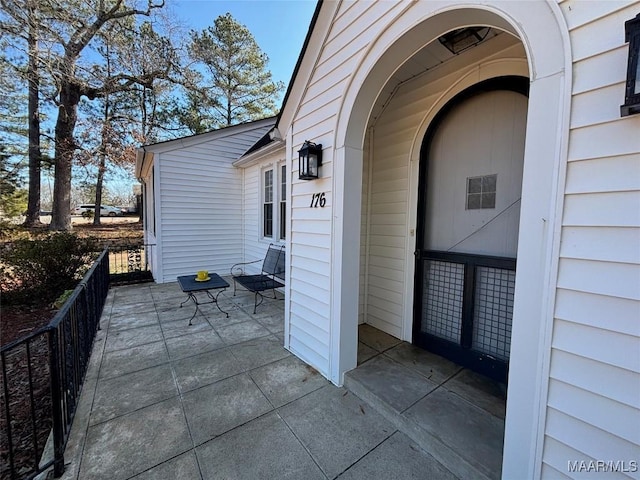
(493, 311)
(442, 299)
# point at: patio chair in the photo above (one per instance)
(272, 275)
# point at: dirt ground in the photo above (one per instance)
(80, 220)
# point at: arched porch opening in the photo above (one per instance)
(392, 73)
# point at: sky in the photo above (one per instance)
(278, 26)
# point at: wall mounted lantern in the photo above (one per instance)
(632, 94)
(459, 40)
(310, 159)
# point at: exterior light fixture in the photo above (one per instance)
(632, 94)
(310, 159)
(457, 41)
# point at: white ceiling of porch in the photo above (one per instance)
(433, 56)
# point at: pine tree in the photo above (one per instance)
(236, 86)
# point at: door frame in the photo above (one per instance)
(464, 356)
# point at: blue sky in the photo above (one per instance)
(279, 26)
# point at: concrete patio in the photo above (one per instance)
(223, 399)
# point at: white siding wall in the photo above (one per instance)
(254, 243)
(593, 407)
(200, 193)
(311, 228)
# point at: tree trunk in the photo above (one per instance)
(35, 156)
(65, 147)
(101, 168)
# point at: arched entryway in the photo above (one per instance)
(467, 225)
(537, 25)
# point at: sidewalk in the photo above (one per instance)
(221, 399)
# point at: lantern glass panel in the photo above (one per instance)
(313, 165)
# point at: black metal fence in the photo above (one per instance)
(128, 263)
(42, 376)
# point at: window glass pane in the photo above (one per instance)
(283, 220)
(267, 207)
(489, 183)
(474, 185)
(283, 183)
(473, 201)
(488, 200)
(268, 186)
(267, 230)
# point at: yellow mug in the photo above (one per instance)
(202, 274)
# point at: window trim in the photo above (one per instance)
(278, 202)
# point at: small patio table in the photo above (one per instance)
(190, 286)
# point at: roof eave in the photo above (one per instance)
(257, 155)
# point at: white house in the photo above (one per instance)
(193, 215)
(481, 198)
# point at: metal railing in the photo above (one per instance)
(42, 376)
(128, 263)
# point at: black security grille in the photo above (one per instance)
(443, 295)
(465, 308)
(493, 311)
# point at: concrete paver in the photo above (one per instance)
(286, 380)
(463, 427)
(186, 345)
(237, 401)
(126, 393)
(397, 457)
(206, 368)
(133, 443)
(182, 467)
(223, 399)
(120, 362)
(404, 387)
(119, 340)
(259, 351)
(336, 427)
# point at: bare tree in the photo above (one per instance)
(73, 83)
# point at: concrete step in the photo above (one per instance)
(464, 437)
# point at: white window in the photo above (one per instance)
(274, 202)
(481, 192)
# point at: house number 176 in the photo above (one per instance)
(318, 200)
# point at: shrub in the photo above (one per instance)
(42, 269)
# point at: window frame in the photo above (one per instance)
(277, 201)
